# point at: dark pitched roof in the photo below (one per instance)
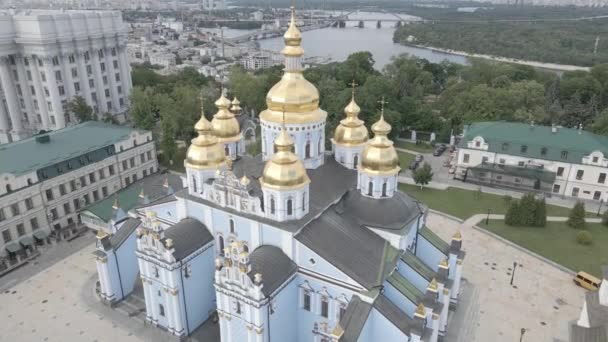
(394, 314)
(598, 321)
(354, 318)
(598, 313)
(128, 227)
(274, 266)
(353, 249)
(593, 334)
(188, 235)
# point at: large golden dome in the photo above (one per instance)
(225, 125)
(351, 131)
(284, 170)
(293, 94)
(204, 152)
(379, 155)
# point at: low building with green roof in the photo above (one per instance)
(46, 179)
(528, 157)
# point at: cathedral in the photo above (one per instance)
(295, 244)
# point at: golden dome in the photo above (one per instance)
(351, 131)
(225, 126)
(292, 38)
(284, 170)
(379, 155)
(204, 152)
(236, 106)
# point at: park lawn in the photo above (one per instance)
(557, 242)
(466, 203)
(405, 159)
(421, 148)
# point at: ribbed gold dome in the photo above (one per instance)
(236, 106)
(225, 125)
(379, 155)
(204, 152)
(351, 131)
(284, 170)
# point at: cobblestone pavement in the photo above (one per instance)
(543, 299)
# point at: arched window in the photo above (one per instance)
(355, 161)
(290, 207)
(384, 189)
(226, 150)
(370, 188)
(304, 202)
(245, 248)
(320, 147)
(194, 189)
(134, 142)
(220, 243)
(272, 205)
(231, 226)
(8, 188)
(307, 150)
(161, 310)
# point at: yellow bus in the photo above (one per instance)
(587, 281)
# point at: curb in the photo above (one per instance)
(446, 215)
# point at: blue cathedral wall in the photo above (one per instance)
(129, 269)
(399, 299)
(414, 277)
(199, 293)
(383, 330)
(283, 325)
(426, 252)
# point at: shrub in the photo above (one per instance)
(576, 219)
(528, 212)
(584, 238)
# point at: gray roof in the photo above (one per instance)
(188, 235)
(354, 318)
(29, 155)
(274, 266)
(127, 228)
(353, 249)
(389, 310)
(598, 321)
(593, 334)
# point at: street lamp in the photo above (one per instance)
(513, 274)
(521, 337)
(488, 217)
(599, 209)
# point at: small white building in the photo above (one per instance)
(561, 161)
(257, 61)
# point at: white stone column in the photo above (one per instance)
(40, 95)
(83, 79)
(112, 80)
(177, 313)
(14, 110)
(4, 128)
(25, 83)
(99, 87)
(125, 75)
(57, 111)
(68, 80)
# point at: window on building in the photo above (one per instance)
(543, 151)
(238, 308)
(29, 204)
(72, 59)
(575, 192)
(61, 90)
(100, 53)
(115, 64)
(66, 208)
(20, 229)
(95, 195)
(76, 203)
(520, 164)
(74, 72)
(272, 208)
(103, 67)
(32, 90)
(58, 75)
(324, 306)
(119, 89)
(132, 162)
(149, 155)
(54, 215)
(29, 75)
(579, 174)
(113, 52)
(602, 178)
(105, 81)
(111, 170)
(102, 174)
(76, 86)
(117, 77)
(86, 56)
(370, 188)
(109, 104)
(55, 60)
(83, 181)
(6, 236)
(19, 92)
(127, 180)
(564, 155)
(595, 159)
(92, 177)
(107, 92)
(477, 143)
(15, 75)
(2, 216)
(91, 83)
(524, 149)
(86, 198)
(124, 165)
(145, 173)
(161, 310)
(104, 191)
(290, 207)
(49, 194)
(34, 223)
(484, 159)
(560, 171)
(597, 195)
(220, 243)
(306, 305)
(465, 158)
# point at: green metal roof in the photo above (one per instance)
(412, 260)
(29, 155)
(435, 240)
(522, 172)
(540, 141)
(405, 287)
(127, 199)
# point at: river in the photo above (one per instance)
(339, 43)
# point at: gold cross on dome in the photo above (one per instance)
(353, 85)
(200, 97)
(382, 103)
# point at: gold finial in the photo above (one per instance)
(457, 236)
(433, 286)
(115, 205)
(169, 243)
(353, 85)
(141, 193)
(202, 99)
(245, 180)
(293, 38)
(382, 103)
(101, 234)
(444, 263)
(420, 311)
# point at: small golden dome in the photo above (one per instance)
(379, 155)
(351, 131)
(204, 152)
(225, 125)
(284, 170)
(292, 38)
(245, 180)
(236, 106)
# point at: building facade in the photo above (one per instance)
(46, 180)
(554, 160)
(279, 249)
(49, 57)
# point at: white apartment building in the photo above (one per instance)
(213, 4)
(257, 61)
(555, 160)
(48, 57)
(45, 180)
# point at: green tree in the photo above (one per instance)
(80, 109)
(512, 215)
(576, 219)
(167, 142)
(144, 109)
(540, 214)
(109, 118)
(423, 175)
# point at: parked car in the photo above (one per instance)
(452, 170)
(413, 165)
(419, 158)
(438, 151)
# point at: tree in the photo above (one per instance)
(527, 212)
(144, 108)
(81, 110)
(167, 142)
(540, 215)
(584, 238)
(109, 118)
(576, 219)
(423, 175)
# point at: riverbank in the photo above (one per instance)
(549, 66)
